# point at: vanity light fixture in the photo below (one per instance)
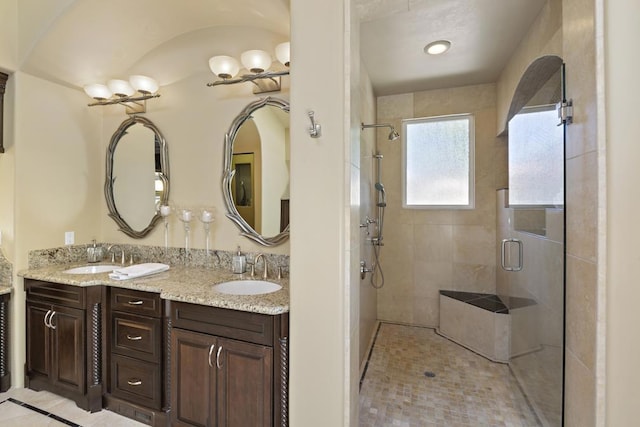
(437, 47)
(257, 63)
(133, 94)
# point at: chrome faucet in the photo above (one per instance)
(264, 261)
(113, 255)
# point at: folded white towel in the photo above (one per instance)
(138, 270)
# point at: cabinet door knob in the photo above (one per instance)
(218, 357)
(134, 337)
(210, 353)
(134, 382)
(138, 302)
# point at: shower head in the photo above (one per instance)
(393, 135)
(380, 188)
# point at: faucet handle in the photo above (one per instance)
(253, 269)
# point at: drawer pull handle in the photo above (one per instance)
(134, 337)
(134, 382)
(139, 302)
(210, 353)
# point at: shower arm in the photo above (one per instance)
(393, 135)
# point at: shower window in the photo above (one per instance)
(536, 158)
(438, 162)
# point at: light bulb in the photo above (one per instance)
(437, 47)
(224, 67)
(256, 61)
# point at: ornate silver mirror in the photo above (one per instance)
(255, 182)
(137, 178)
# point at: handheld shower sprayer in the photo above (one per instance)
(380, 188)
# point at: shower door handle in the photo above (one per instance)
(503, 253)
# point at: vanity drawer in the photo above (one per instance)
(136, 381)
(241, 325)
(137, 336)
(136, 302)
(55, 293)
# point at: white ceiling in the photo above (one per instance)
(76, 42)
(483, 35)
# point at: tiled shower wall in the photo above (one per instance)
(428, 250)
(368, 295)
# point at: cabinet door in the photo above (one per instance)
(245, 387)
(38, 344)
(67, 348)
(193, 378)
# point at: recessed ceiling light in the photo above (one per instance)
(438, 47)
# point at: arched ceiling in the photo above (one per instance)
(76, 42)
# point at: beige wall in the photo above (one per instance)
(9, 32)
(582, 199)
(621, 63)
(429, 250)
(324, 240)
(57, 155)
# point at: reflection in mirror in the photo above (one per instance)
(137, 180)
(256, 176)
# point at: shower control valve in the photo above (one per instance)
(367, 222)
(364, 269)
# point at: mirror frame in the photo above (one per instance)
(228, 173)
(164, 175)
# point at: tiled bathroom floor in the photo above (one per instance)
(65, 412)
(467, 389)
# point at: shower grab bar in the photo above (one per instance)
(503, 253)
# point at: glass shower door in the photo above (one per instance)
(531, 231)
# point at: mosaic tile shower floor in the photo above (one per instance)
(467, 389)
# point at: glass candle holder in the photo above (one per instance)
(185, 215)
(165, 211)
(206, 217)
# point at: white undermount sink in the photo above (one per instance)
(247, 287)
(91, 269)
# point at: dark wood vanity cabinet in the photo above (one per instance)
(64, 328)
(5, 373)
(228, 368)
(136, 377)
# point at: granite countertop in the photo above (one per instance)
(5, 289)
(179, 283)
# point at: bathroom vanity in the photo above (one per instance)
(163, 350)
(63, 348)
